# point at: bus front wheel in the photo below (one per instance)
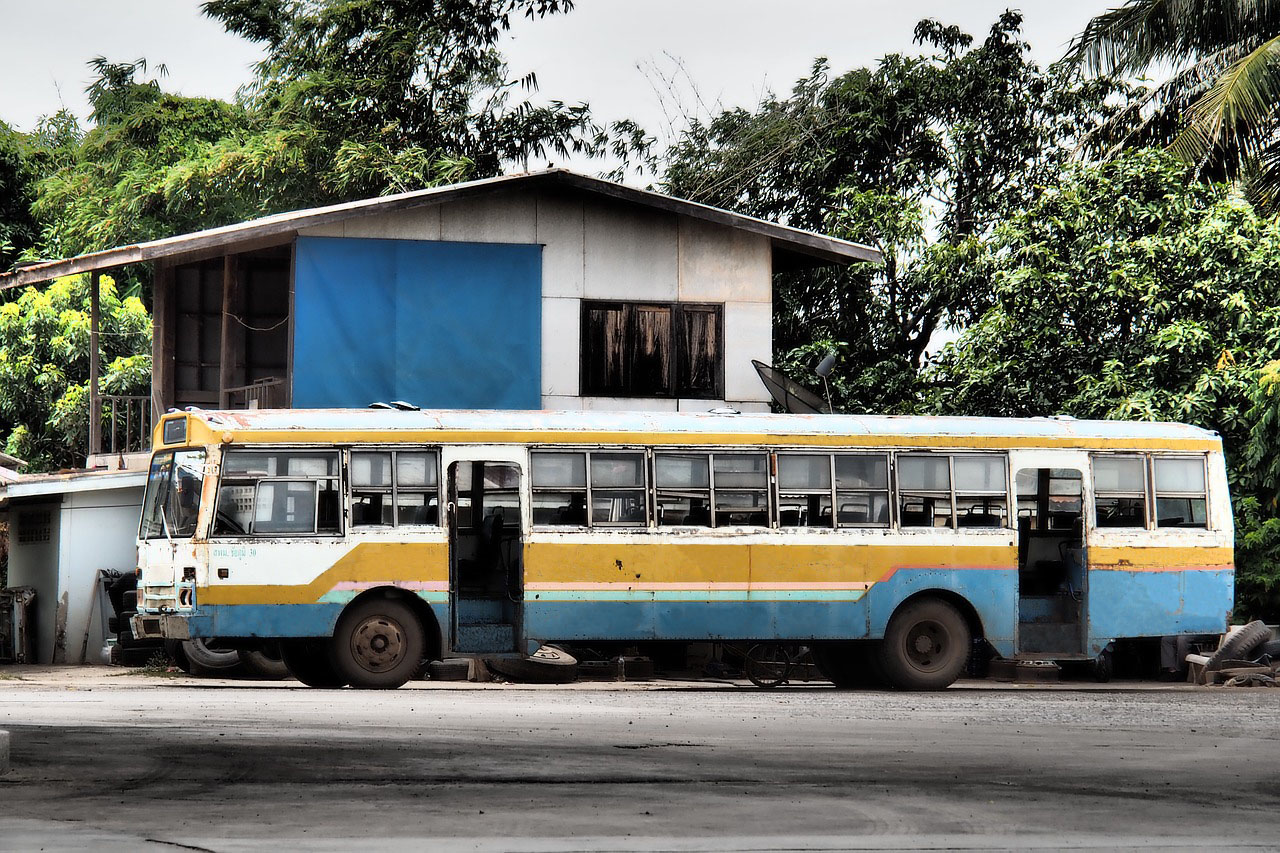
(378, 644)
(925, 645)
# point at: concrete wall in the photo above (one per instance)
(89, 530)
(600, 249)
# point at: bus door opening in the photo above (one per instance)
(485, 555)
(1051, 562)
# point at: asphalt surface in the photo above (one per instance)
(116, 762)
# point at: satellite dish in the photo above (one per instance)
(824, 367)
(790, 395)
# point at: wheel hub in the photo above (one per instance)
(926, 645)
(378, 643)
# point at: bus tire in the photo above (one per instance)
(264, 663)
(206, 658)
(378, 644)
(925, 645)
(308, 661)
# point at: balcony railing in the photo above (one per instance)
(264, 394)
(126, 424)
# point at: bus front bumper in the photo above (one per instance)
(161, 626)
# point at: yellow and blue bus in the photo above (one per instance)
(365, 541)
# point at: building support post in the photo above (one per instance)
(95, 398)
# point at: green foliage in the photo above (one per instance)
(1131, 291)
(916, 156)
(1126, 291)
(17, 191)
(44, 366)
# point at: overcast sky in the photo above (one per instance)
(615, 54)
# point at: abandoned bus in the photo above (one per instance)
(367, 540)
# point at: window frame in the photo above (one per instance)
(834, 491)
(349, 493)
(588, 489)
(250, 533)
(1148, 507)
(675, 377)
(1007, 494)
(1156, 493)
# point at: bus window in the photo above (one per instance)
(683, 485)
(1049, 498)
(1120, 488)
(291, 493)
(417, 488)
(371, 489)
(172, 500)
(559, 488)
(804, 490)
(741, 489)
(982, 495)
(862, 490)
(924, 491)
(1180, 492)
(618, 494)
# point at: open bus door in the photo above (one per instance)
(1053, 582)
(486, 554)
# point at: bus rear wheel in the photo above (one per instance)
(378, 644)
(925, 645)
(308, 661)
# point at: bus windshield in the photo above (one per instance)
(172, 501)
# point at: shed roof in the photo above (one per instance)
(792, 247)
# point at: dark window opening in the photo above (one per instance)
(632, 349)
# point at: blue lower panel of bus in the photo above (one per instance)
(264, 620)
(644, 615)
(1152, 604)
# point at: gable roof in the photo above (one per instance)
(792, 247)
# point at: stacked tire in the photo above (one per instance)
(128, 649)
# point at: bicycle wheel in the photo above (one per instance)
(768, 664)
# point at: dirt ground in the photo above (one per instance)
(124, 761)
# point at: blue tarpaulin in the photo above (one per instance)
(440, 325)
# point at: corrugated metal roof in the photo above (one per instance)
(795, 246)
(853, 426)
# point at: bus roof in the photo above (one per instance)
(585, 427)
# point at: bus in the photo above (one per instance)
(367, 541)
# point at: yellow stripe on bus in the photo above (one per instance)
(764, 564)
(1159, 558)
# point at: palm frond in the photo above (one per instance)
(1130, 39)
(1155, 117)
(1239, 109)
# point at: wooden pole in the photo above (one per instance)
(95, 406)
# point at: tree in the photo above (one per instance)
(132, 177)
(17, 192)
(1131, 291)
(917, 156)
(44, 365)
(354, 99)
(1218, 108)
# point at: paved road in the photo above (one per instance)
(117, 762)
